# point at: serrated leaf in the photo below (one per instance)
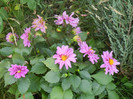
(68, 94)
(102, 78)
(84, 74)
(38, 68)
(18, 59)
(1, 25)
(50, 64)
(9, 79)
(23, 85)
(52, 77)
(65, 84)
(85, 86)
(75, 81)
(6, 51)
(112, 95)
(35, 85)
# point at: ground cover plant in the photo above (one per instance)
(62, 50)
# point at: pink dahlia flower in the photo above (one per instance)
(73, 21)
(18, 71)
(39, 24)
(67, 19)
(10, 37)
(64, 55)
(26, 37)
(109, 63)
(77, 30)
(88, 51)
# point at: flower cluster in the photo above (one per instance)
(88, 51)
(10, 37)
(39, 24)
(67, 19)
(26, 37)
(18, 71)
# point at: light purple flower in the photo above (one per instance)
(73, 21)
(26, 37)
(18, 71)
(109, 63)
(39, 24)
(67, 19)
(10, 37)
(88, 51)
(64, 55)
(77, 30)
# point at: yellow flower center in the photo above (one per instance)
(64, 57)
(91, 50)
(18, 71)
(111, 62)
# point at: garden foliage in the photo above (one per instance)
(48, 50)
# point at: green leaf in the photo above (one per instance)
(9, 79)
(35, 83)
(128, 85)
(24, 51)
(32, 4)
(45, 86)
(75, 81)
(3, 13)
(18, 59)
(86, 86)
(13, 89)
(5, 1)
(38, 68)
(112, 95)
(39, 39)
(83, 36)
(23, 85)
(86, 96)
(50, 64)
(102, 78)
(68, 94)
(6, 51)
(28, 95)
(23, 1)
(4, 65)
(84, 74)
(56, 93)
(52, 77)
(65, 84)
(44, 95)
(1, 25)
(97, 88)
(111, 86)
(34, 60)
